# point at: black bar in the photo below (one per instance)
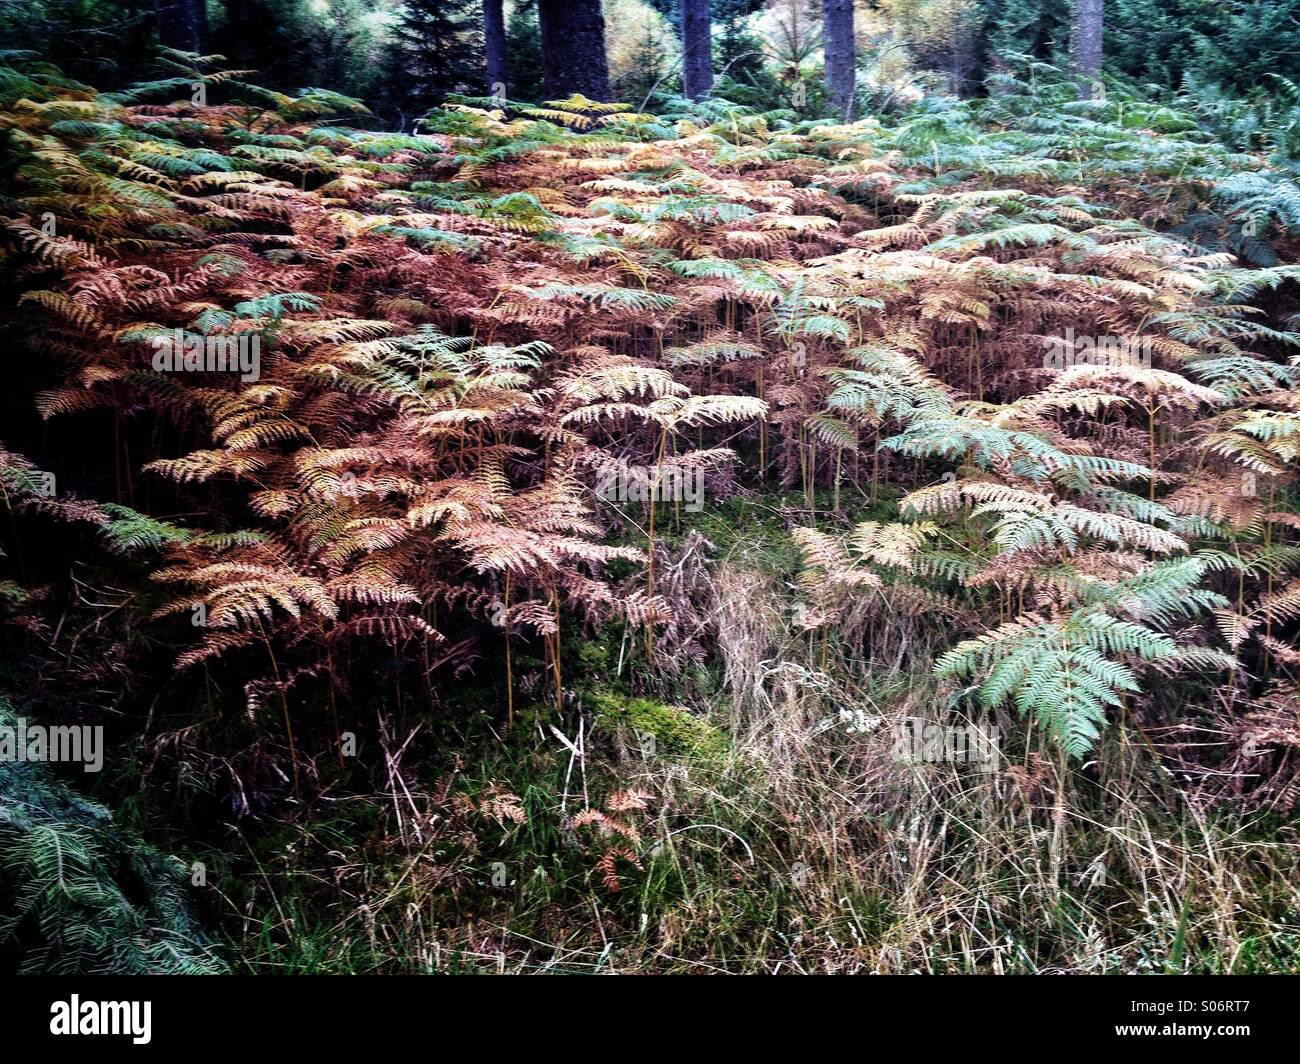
(336, 1014)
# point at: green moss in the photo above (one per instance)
(597, 656)
(675, 730)
(755, 531)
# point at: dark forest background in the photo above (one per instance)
(404, 58)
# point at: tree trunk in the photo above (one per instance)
(837, 37)
(1085, 44)
(494, 34)
(573, 49)
(697, 49)
(182, 24)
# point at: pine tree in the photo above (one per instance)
(1085, 44)
(524, 48)
(697, 49)
(837, 37)
(78, 894)
(1030, 29)
(182, 24)
(573, 48)
(436, 50)
(494, 40)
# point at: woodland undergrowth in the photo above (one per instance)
(418, 696)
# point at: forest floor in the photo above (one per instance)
(394, 684)
(769, 823)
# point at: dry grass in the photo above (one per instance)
(805, 846)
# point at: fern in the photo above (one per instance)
(1068, 671)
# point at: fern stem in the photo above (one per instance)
(650, 548)
(555, 657)
(510, 685)
(284, 706)
(1151, 448)
(334, 709)
(839, 461)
